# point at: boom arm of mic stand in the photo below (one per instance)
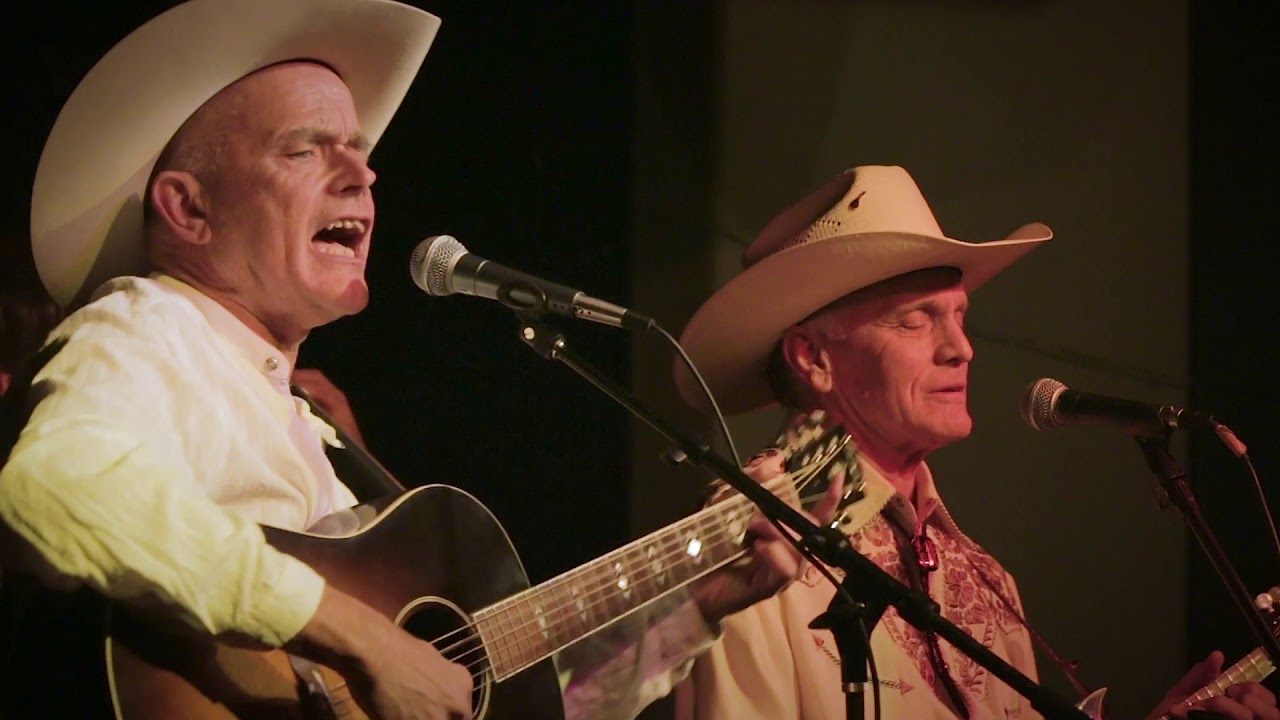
(1174, 483)
(827, 544)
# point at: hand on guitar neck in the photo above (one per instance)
(1234, 693)
(391, 674)
(1238, 701)
(771, 563)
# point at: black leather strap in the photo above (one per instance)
(355, 467)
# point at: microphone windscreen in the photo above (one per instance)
(432, 262)
(1037, 403)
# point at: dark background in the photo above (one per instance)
(1234, 187)
(517, 138)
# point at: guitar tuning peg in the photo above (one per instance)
(1266, 602)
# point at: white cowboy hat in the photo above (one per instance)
(86, 206)
(869, 224)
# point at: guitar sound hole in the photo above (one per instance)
(446, 626)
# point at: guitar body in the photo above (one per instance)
(430, 558)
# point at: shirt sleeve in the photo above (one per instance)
(104, 480)
(619, 670)
(99, 508)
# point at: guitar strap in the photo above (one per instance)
(355, 467)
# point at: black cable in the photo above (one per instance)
(715, 407)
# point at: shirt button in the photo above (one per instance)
(271, 364)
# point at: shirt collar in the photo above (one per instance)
(910, 516)
(264, 356)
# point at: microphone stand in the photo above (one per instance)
(827, 544)
(1173, 481)
(850, 624)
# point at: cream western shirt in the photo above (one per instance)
(771, 666)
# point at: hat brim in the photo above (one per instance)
(86, 205)
(731, 337)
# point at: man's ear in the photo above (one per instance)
(808, 361)
(180, 202)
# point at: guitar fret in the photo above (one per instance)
(1261, 669)
(645, 580)
(613, 606)
(540, 624)
(520, 629)
(486, 624)
(678, 561)
(625, 573)
(583, 610)
(629, 584)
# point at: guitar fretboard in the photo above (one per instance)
(526, 628)
(1254, 667)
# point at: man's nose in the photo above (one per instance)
(354, 175)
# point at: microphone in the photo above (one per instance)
(1047, 403)
(441, 265)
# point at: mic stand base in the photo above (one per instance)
(851, 621)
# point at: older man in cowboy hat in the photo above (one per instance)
(853, 302)
(223, 147)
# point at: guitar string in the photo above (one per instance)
(607, 590)
(699, 523)
(602, 590)
(488, 646)
(1249, 669)
(1216, 687)
(710, 521)
(704, 522)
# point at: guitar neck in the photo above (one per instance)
(1254, 667)
(526, 628)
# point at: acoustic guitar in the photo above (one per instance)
(436, 561)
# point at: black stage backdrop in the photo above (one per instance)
(1235, 255)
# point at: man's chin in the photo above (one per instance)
(952, 431)
(353, 298)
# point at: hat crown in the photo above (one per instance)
(863, 200)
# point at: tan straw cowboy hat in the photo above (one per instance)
(869, 224)
(86, 206)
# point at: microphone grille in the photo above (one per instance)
(1039, 401)
(431, 263)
